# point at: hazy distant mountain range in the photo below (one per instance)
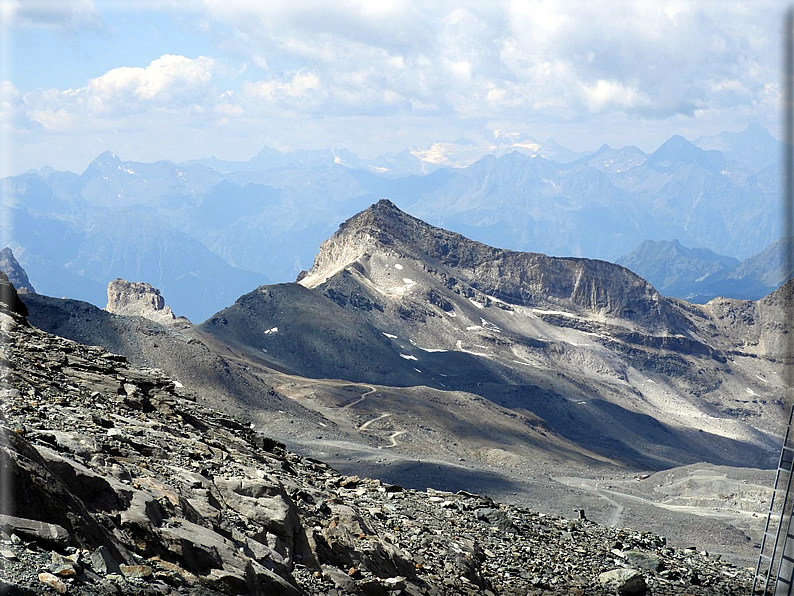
(206, 231)
(698, 274)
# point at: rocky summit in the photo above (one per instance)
(140, 299)
(115, 481)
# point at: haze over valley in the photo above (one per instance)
(206, 231)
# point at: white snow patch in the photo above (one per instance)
(459, 346)
(490, 326)
(271, 330)
(473, 327)
(398, 266)
(495, 299)
(321, 424)
(762, 378)
(477, 304)
(178, 385)
(750, 391)
(408, 357)
(553, 312)
(431, 350)
(417, 370)
(408, 282)
(651, 381)
(452, 313)
(389, 335)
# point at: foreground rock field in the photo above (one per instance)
(114, 481)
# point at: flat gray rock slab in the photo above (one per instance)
(35, 530)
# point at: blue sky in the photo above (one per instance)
(180, 80)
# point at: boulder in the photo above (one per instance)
(624, 582)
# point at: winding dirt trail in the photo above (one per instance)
(393, 439)
(366, 425)
(360, 399)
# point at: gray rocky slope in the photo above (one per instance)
(587, 346)
(431, 360)
(115, 481)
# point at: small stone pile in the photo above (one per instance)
(116, 482)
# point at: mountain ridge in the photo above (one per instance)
(511, 274)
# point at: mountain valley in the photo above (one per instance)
(118, 482)
(420, 357)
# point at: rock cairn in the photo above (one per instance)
(115, 481)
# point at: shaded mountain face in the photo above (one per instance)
(753, 146)
(16, 274)
(245, 375)
(674, 269)
(699, 275)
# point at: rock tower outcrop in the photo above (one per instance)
(140, 299)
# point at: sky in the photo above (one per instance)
(178, 80)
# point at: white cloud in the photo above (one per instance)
(568, 65)
(169, 82)
(299, 85)
(605, 94)
(550, 56)
(53, 14)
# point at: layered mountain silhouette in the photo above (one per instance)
(246, 223)
(699, 275)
